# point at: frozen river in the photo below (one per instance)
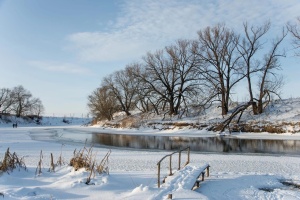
(201, 144)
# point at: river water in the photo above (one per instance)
(200, 144)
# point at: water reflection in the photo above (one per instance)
(202, 144)
(208, 144)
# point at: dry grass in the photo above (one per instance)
(82, 159)
(127, 122)
(11, 161)
(112, 125)
(130, 122)
(60, 160)
(254, 127)
(38, 170)
(85, 158)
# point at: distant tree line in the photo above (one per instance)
(195, 73)
(20, 102)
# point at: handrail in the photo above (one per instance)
(170, 162)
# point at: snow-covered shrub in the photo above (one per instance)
(85, 158)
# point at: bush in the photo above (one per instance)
(85, 158)
(66, 121)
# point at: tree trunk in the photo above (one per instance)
(253, 103)
(254, 108)
(172, 109)
(260, 107)
(127, 112)
(223, 103)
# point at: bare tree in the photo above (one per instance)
(186, 64)
(36, 107)
(218, 48)
(248, 49)
(270, 82)
(170, 74)
(146, 99)
(263, 67)
(294, 29)
(6, 100)
(22, 102)
(102, 103)
(124, 86)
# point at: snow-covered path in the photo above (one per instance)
(133, 174)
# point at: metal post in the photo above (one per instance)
(179, 160)
(158, 175)
(207, 170)
(170, 165)
(188, 161)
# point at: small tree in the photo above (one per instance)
(6, 100)
(102, 103)
(37, 107)
(22, 103)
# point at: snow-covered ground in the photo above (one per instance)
(8, 121)
(133, 174)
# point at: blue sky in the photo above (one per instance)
(60, 50)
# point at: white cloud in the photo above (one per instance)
(59, 67)
(144, 25)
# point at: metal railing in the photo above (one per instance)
(170, 162)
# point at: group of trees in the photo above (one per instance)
(20, 102)
(195, 73)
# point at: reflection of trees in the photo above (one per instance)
(204, 144)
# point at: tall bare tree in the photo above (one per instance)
(184, 60)
(218, 48)
(124, 86)
(249, 49)
(146, 99)
(269, 81)
(262, 65)
(170, 74)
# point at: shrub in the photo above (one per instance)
(85, 158)
(66, 121)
